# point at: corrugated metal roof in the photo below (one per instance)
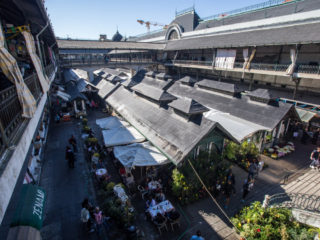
(87, 44)
(175, 137)
(265, 115)
(188, 106)
(239, 128)
(153, 92)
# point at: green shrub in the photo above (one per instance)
(255, 222)
(110, 186)
(92, 140)
(84, 121)
(187, 187)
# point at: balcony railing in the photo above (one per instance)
(80, 62)
(34, 86)
(77, 62)
(11, 111)
(300, 68)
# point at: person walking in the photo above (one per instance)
(305, 136)
(253, 169)
(315, 158)
(70, 157)
(315, 137)
(85, 218)
(228, 190)
(197, 236)
(247, 187)
(73, 143)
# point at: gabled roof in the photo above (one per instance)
(187, 80)
(114, 72)
(163, 76)
(107, 89)
(72, 90)
(91, 44)
(218, 86)
(260, 93)
(101, 84)
(188, 106)
(114, 79)
(151, 74)
(265, 115)
(173, 136)
(153, 93)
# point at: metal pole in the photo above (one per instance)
(38, 43)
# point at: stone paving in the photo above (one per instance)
(66, 188)
(206, 216)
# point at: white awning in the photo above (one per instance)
(305, 115)
(121, 136)
(237, 127)
(63, 95)
(139, 154)
(111, 123)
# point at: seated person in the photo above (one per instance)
(154, 185)
(173, 215)
(159, 219)
(129, 179)
(160, 197)
(151, 202)
(122, 171)
(100, 164)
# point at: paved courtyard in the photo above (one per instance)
(66, 188)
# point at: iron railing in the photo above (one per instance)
(11, 110)
(269, 67)
(10, 115)
(300, 68)
(190, 9)
(34, 86)
(295, 200)
(251, 8)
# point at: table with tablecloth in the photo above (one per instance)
(161, 208)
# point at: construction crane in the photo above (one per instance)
(149, 23)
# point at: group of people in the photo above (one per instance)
(298, 130)
(228, 188)
(92, 217)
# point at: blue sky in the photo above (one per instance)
(89, 18)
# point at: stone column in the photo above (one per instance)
(83, 107)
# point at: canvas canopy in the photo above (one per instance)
(111, 123)
(139, 154)
(9, 67)
(121, 136)
(29, 211)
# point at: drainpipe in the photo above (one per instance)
(37, 39)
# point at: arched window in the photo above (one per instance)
(173, 35)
